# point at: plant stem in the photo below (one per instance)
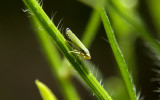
(91, 28)
(137, 23)
(117, 53)
(65, 48)
(51, 53)
(126, 40)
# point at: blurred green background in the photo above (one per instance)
(22, 60)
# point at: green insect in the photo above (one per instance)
(77, 45)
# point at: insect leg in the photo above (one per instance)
(74, 46)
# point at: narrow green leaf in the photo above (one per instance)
(45, 92)
(117, 52)
(126, 39)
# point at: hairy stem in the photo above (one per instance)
(56, 66)
(117, 52)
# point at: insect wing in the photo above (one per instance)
(78, 43)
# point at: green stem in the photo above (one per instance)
(51, 53)
(126, 40)
(91, 28)
(137, 23)
(64, 47)
(117, 53)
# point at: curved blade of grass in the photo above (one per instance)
(91, 28)
(117, 52)
(65, 48)
(53, 57)
(45, 92)
(126, 40)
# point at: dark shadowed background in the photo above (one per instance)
(22, 60)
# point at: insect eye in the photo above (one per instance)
(67, 29)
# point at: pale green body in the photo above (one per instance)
(79, 45)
